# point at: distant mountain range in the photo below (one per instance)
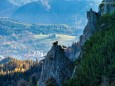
(52, 20)
(6, 8)
(61, 12)
(5, 5)
(48, 12)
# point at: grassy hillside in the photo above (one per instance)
(98, 57)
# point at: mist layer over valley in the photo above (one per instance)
(29, 27)
(31, 40)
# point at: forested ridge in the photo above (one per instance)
(98, 60)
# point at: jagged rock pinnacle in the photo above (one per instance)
(56, 68)
(55, 43)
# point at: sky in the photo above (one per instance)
(22, 2)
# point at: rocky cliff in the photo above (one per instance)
(90, 27)
(57, 68)
(89, 30)
(107, 6)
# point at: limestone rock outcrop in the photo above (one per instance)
(90, 27)
(56, 67)
(107, 6)
(89, 30)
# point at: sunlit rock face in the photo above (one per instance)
(56, 67)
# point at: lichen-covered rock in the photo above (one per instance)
(56, 66)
